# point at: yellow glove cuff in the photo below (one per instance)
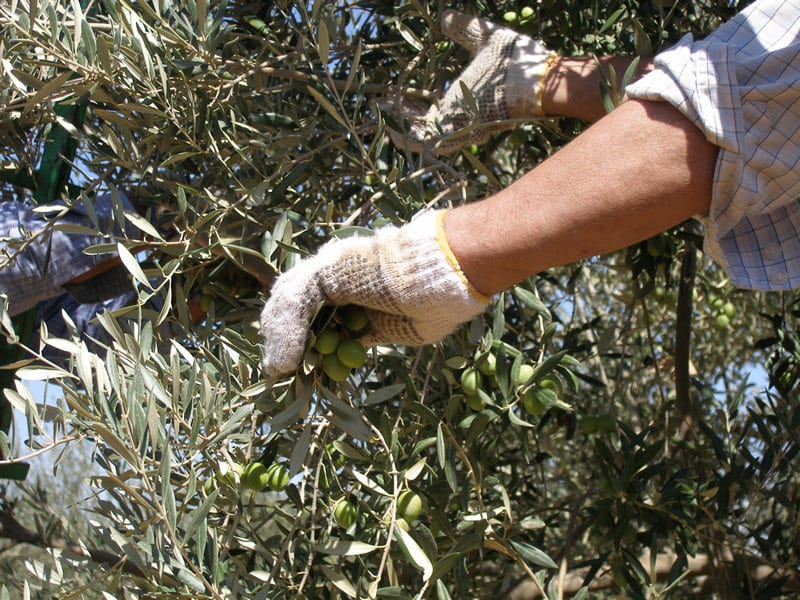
(444, 245)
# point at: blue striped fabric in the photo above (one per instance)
(741, 86)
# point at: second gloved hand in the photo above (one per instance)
(505, 77)
(406, 277)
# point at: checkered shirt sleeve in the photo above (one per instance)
(741, 86)
(36, 271)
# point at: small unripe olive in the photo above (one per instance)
(277, 477)
(353, 317)
(470, 381)
(533, 403)
(475, 402)
(409, 505)
(729, 310)
(337, 458)
(252, 331)
(334, 368)
(524, 374)
(589, 425)
(227, 474)
(351, 354)
(254, 476)
(552, 382)
(487, 364)
(345, 513)
(206, 302)
(327, 341)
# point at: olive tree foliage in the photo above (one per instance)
(651, 452)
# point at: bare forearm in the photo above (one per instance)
(638, 171)
(571, 87)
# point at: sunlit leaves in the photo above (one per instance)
(250, 136)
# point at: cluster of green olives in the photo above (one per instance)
(536, 399)
(256, 476)
(524, 15)
(337, 342)
(409, 509)
(472, 380)
(724, 311)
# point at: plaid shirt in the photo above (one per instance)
(741, 86)
(38, 271)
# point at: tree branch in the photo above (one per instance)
(701, 567)
(683, 334)
(13, 530)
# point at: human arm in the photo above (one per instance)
(513, 79)
(639, 171)
(571, 87)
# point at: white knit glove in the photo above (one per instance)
(505, 77)
(406, 277)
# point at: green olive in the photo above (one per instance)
(533, 403)
(252, 331)
(524, 374)
(526, 12)
(337, 458)
(324, 478)
(334, 368)
(729, 310)
(722, 321)
(589, 425)
(353, 317)
(327, 341)
(552, 382)
(487, 364)
(409, 505)
(345, 513)
(475, 402)
(470, 381)
(277, 477)
(254, 476)
(351, 354)
(227, 475)
(510, 16)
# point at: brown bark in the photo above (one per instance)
(700, 568)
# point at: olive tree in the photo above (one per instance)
(623, 425)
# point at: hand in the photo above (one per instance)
(406, 277)
(505, 78)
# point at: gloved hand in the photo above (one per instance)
(505, 77)
(406, 277)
